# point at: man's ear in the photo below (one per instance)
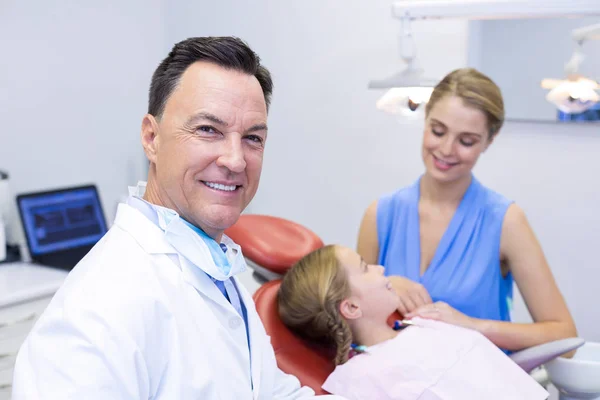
(350, 309)
(149, 137)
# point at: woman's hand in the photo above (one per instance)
(412, 294)
(441, 311)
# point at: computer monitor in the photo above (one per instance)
(61, 225)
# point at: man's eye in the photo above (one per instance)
(255, 138)
(206, 129)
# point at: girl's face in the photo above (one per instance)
(372, 295)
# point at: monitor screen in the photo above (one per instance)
(62, 219)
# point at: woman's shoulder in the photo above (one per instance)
(493, 200)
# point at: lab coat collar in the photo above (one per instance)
(151, 239)
(145, 232)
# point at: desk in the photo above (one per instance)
(25, 291)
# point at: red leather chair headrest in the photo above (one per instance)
(310, 365)
(271, 242)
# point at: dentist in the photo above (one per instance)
(154, 311)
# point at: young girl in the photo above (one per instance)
(332, 297)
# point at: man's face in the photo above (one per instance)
(207, 149)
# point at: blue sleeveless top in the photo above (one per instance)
(465, 269)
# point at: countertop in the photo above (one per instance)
(21, 282)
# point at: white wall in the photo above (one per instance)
(330, 152)
(518, 54)
(74, 78)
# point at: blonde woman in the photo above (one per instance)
(450, 245)
(334, 298)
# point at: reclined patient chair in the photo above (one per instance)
(272, 245)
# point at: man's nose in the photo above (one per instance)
(232, 154)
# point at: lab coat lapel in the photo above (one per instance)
(152, 240)
(254, 328)
(209, 291)
(203, 284)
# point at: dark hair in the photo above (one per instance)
(227, 52)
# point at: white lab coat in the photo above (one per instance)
(134, 321)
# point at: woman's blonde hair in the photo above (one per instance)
(309, 301)
(476, 90)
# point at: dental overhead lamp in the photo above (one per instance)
(409, 90)
(576, 93)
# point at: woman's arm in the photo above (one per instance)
(368, 244)
(522, 253)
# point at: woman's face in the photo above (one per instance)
(371, 291)
(455, 135)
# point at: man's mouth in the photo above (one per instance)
(221, 186)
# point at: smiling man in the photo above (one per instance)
(205, 145)
(154, 311)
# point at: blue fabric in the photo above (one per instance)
(592, 114)
(465, 270)
(221, 284)
(217, 252)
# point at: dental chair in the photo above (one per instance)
(310, 364)
(272, 245)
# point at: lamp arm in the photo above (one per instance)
(572, 66)
(591, 32)
(496, 9)
(580, 36)
(406, 42)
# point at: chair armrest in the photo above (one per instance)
(535, 356)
